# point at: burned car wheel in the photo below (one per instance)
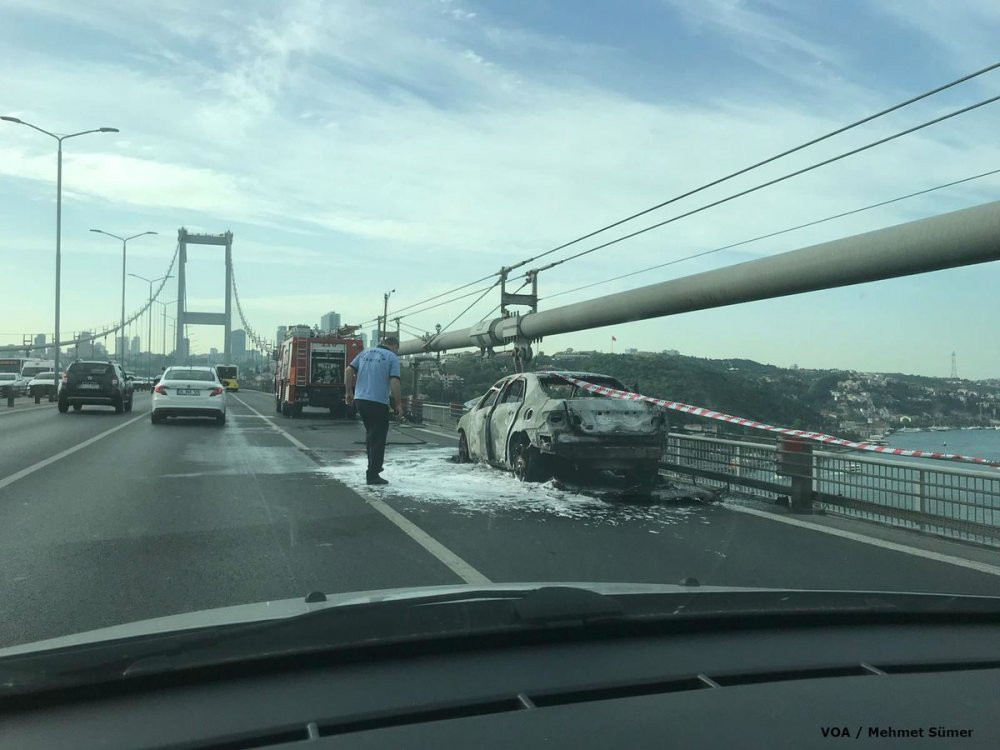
(464, 456)
(642, 479)
(528, 463)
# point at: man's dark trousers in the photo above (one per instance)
(376, 419)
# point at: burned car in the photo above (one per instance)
(541, 424)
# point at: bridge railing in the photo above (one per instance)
(945, 500)
(953, 501)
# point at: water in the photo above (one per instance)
(928, 486)
(979, 443)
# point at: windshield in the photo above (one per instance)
(80, 369)
(370, 264)
(179, 374)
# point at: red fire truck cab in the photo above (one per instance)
(310, 371)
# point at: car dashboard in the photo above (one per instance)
(802, 686)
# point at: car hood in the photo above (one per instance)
(283, 608)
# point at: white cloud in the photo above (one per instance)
(411, 139)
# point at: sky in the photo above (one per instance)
(356, 147)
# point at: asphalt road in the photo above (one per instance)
(107, 518)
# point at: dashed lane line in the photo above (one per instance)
(15, 410)
(10, 479)
(453, 562)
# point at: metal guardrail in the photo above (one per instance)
(945, 500)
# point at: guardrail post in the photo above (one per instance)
(10, 395)
(918, 500)
(795, 460)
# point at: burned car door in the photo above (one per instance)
(476, 436)
(503, 418)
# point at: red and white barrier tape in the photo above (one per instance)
(819, 437)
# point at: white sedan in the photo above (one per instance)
(187, 391)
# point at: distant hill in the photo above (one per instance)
(848, 403)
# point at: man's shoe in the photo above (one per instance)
(376, 480)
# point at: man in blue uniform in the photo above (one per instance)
(370, 378)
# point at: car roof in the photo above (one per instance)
(574, 374)
(191, 367)
(92, 362)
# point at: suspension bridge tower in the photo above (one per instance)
(185, 238)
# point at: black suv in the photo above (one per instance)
(100, 383)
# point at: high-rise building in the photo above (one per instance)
(238, 343)
(121, 346)
(330, 321)
(39, 339)
(373, 337)
(136, 345)
(280, 335)
(364, 339)
(213, 351)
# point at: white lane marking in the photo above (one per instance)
(9, 480)
(992, 570)
(453, 562)
(456, 564)
(15, 410)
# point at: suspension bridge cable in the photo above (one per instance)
(720, 180)
(775, 181)
(768, 160)
(457, 317)
(774, 234)
(439, 304)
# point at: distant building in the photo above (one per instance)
(121, 346)
(85, 349)
(136, 345)
(238, 343)
(373, 337)
(213, 351)
(364, 339)
(330, 321)
(39, 339)
(280, 335)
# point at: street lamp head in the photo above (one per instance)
(11, 119)
(109, 130)
(150, 232)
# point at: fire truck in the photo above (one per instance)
(310, 370)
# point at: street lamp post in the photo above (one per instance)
(384, 323)
(164, 306)
(149, 309)
(59, 140)
(124, 241)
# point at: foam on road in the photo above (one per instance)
(430, 476)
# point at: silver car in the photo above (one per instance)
(535, 424)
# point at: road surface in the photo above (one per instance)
(106, 518)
